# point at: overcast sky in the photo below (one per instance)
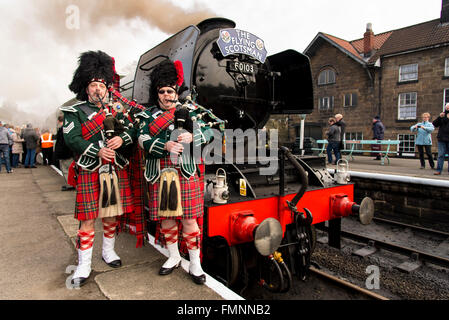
(42, 39)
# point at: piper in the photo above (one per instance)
(84, 133)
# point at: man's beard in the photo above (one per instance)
(96, 97)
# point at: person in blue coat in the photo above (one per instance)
(424, 139)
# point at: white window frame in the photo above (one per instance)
(407, 151)
(406, 75)
(327, 78)
(446, 67)
(405, 105)
(326, 103)
(445, 97)
(353, 136)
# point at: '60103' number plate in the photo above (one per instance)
(237, 66)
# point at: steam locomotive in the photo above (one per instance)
(256, 227)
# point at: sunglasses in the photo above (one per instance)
(169, 91)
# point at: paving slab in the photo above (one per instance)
(143, 282)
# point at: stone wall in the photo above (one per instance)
(429, 87)
(427, 206)
(351, 77)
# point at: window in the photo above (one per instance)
(326, 77)
(353, 136)
(350, 100)
(407, 106)
(326, 103)
(446, 67)
(407, 144)
(408, 72)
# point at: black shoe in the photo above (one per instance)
(198, 279)
(165, 271)
(376, 158)
(33, 167)
(67, 188)
(78, 282)
(27, 167)
(114, 264)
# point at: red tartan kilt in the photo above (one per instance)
(192, 199)
(88, 192)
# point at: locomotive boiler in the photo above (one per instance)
(256, 226)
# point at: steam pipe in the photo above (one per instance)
(396, 178)
(302, 174)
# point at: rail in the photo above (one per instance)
(384, 153)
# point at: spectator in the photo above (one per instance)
(32, 139)
(424, 139)
(5, 142)
(442, 123)
(47, 147)
(63, 154)
(342, 124)
(334, 139)
(378, 134)
(17, 148)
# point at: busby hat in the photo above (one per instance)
(166, 74)
(93, 66)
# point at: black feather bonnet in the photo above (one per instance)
(166, 74)
(93, 66)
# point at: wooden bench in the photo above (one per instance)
(384, 153)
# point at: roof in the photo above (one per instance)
(420, 36)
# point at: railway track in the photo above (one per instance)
(392, 239)
(345, 284)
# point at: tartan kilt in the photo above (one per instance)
(88, 192)
(192, 198)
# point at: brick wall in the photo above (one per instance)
(351, 77)
(406, 202)
(380, 93)
(429, 87)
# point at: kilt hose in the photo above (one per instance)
(88, 192)
(195, 196)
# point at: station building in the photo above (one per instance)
(397, 75)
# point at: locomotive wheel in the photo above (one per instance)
(221, 261)
(233, 265)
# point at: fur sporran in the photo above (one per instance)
(109, 200)
(169, 194)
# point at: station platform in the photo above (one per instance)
(38, 255)
(398, 166)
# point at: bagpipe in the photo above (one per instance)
(188, 115)
(110, 204)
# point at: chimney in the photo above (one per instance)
(368, 40)
(444, 12)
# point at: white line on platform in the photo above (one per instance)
(215, 285)
(57, 170)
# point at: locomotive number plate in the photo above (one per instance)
(237, 66)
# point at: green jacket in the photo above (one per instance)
(153, 146)
(86, 150)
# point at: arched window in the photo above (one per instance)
(326, 77)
